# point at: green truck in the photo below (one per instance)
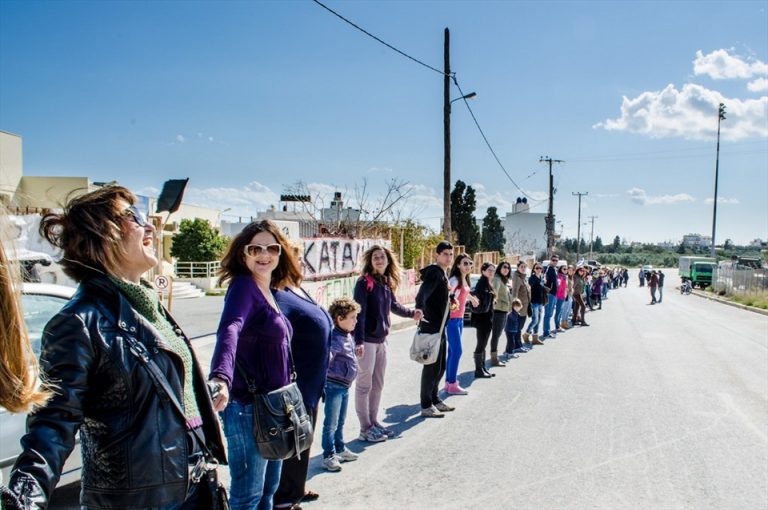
(697, 270)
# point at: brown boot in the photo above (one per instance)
(535, 340)
(564, 325)
(495, 361)
(526, 337)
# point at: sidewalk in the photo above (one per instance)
(719, 299)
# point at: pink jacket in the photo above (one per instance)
(562, 286)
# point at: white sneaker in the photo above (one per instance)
(372, 435)
(331, 463)
(347, 456)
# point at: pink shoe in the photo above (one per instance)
(455, 389)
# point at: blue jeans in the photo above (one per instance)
(549, 312)
(336, 400)
(559, 312)
(533, 327)
(253, 478)
(453, 330)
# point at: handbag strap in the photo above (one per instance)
(139, 350)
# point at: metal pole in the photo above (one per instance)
(447, 139)
(720, 116)
(578, 228)
(591, 235)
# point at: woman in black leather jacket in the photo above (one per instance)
(481, 317)
(138, 450)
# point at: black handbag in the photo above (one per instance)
(281, 425)
(218, 498)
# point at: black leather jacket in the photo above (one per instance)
(432, 298)
(134, 445)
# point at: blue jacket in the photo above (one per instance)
(342, 368)
(376, 301)
(513, 322)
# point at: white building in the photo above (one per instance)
(525, 232)
(336, 213)
(756, 243)
(697, 240)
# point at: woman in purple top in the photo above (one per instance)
(375, 293)
(254, 335)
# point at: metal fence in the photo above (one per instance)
(732, 279)
(197, 269)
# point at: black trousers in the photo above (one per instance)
(430, 378)
(482, 323)
(499, 321)
(293, 478)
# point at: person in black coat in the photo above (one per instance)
(482, 317)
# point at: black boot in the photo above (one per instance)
(485, 370)
(480, 371)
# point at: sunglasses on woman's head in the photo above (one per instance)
(254, 250)
(136, 215)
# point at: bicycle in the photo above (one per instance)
(686, 287)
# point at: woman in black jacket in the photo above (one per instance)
(482, 317)
(138, 449)
(538, 301)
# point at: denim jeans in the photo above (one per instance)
(533, 327)
(253, 478)
(565, 313)
(549, 312)
(453, 330)
(559, 307)
(336, 400)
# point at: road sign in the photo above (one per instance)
(162, 282)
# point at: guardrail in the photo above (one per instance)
(196, 269)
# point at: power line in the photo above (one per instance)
(376, 38)
(493, 152)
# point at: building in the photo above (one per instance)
(525, 232)
(307, 223)
(697, 241)
(336, 213)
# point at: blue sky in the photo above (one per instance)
(245, 98)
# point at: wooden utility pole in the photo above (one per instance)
(591, 235)
(578, 228)
(550, 219)
(447, 138)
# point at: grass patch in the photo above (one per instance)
(756, 300)
(215, 292)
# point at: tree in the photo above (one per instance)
(492, 238)
(598, 244)
(415, 237)
(463, 205)
(197, 241)
(616, 244)
(728, 244)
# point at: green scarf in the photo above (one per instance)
(145, 300)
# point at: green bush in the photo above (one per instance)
(197, 241)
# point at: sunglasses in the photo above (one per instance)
(537, 268)
(136, 215)
(467, 263)
(254, 250)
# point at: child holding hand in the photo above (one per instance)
(512, 329)
(342, 370)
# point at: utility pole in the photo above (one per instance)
(720, 116)
(578, 229)
(550, 220)
(591, 235)
(447, 138)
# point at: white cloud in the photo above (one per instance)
(720, 65)
(210, 138)
(759, 85)
(501, 201)
(247, 201)
(180, 138)
(722, 200)
(639, 196)
(689, 113)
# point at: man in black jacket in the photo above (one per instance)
(432, 299)
(550, 282)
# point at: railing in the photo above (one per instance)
(197, 269)
(731, 280)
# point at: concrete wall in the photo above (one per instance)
(50, 192)
(525, 233)
(10, 166)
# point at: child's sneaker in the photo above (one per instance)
(385, 431)
(331, 463)
(347, 456)
(372, 435)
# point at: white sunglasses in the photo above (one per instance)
(254, 250)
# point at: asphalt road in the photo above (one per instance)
(652, 407)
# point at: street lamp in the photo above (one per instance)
(720, 116)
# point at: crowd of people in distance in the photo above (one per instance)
(115, 358)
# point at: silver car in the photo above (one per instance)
(40, 301)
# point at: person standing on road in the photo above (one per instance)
(653, 284)
(580, 309)
(460, 293)
(538, 299)
(432, 299)
(501, 308)
(550, 284)
(253, 340)
(661, 285)
(522, 290)
(375, 293)
(137, 450)
(568, 305)
(482, 317)
(641, 275)
(562, 291)
(512, 330)
(310, 344)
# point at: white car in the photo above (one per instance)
(40, 301)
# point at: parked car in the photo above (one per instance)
(41, 301)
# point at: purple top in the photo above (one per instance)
(255, 334)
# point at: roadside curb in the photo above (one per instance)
(730, 303)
